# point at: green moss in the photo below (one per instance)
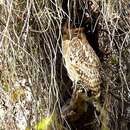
(6, 87)
(114, 60)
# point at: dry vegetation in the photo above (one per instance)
(33, 80)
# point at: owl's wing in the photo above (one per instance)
(88, 75)
(86, 64)
(84, 55)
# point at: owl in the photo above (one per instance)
(81, 61)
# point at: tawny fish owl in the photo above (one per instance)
(81, 61)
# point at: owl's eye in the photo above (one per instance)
(71, 58)
(76, 61)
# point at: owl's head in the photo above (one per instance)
(77, 32)
(70, 33)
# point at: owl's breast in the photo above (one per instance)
(68, 60)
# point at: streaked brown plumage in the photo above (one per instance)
(81, 61)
